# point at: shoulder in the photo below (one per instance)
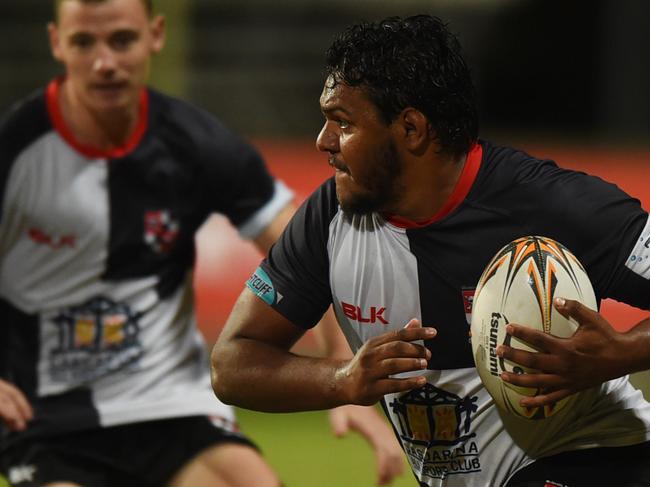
(200, 136)
(309, 227)
(25, 121)
(507, 171)
(185, 122)
(322, 205)
(509, 165)
(23, 124)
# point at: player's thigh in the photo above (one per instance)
(226, 465)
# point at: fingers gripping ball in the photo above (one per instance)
(518, 286)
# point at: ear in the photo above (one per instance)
(157, 33)
(415, 129)
(55, 41)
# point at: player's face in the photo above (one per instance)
(361, 149)
(106, 49)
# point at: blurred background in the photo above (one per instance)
(564, 80)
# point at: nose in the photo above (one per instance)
(327, 140)
(104, 62)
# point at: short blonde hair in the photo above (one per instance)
(148, 4)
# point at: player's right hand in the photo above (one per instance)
(367, 377)
(15, 410)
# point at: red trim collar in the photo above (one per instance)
(467, 177)
(52, 97)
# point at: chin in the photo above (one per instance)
(112, 102)
(358, 203)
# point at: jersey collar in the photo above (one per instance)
(54, 110)
(465, 182)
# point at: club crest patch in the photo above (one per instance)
(160, 230)
(468, 300)
(93, 339)
(434, 426)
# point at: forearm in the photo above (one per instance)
(255, 375)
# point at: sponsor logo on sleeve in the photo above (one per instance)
(262, 286)
(639, 259)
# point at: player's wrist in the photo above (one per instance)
(342, 385)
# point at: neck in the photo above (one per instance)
(101, 130)
(428, 182)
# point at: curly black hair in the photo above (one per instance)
(410, 62)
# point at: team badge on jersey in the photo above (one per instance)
(94, 338)
(468, 300)
(434, 426)
(160, 230)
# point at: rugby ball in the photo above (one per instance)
(518, 286)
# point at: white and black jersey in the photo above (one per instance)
(96, 257)
(380, 272)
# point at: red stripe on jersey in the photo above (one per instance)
(467, 177)
(53, 108)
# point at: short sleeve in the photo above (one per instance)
(239, 184)
(630, 282)
(294, 278)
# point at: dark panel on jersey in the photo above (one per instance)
(633, 289)
(19, 348)
(153, 201)
(452, 254)
(186, 167)
(234, 180)
(451, 260)
(24, 123)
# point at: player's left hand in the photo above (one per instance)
(367, 422)
(594, 354)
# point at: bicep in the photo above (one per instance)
(253, 319)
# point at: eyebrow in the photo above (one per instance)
(335, 108)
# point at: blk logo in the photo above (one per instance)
(373, 315)
(54, 241)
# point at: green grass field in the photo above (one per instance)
(305, 453)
